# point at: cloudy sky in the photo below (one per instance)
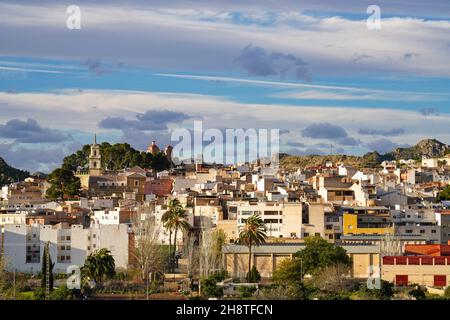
(138, 69)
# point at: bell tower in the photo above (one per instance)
(95, 159)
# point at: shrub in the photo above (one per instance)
(254, 275)
(417, 293)
(246, 292)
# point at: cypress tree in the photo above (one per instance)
(46, 258)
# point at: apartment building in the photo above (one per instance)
(366, 220)
(23, 245)
(283, 220)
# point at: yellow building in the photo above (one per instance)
(357, 224)
(268, 257)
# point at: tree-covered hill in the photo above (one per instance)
(117, 156)
(9, 174)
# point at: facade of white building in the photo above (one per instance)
(281, 219)
(23, 245)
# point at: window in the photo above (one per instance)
(401, 280)
(306, 234)
(422, 231)
(433, 231)
(440, 280)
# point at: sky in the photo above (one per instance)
(137, 70)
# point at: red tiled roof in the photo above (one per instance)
(428, 249)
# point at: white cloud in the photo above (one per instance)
(209, 37)
(74, 110)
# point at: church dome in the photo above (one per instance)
(153, 148)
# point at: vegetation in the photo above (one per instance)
(252, 233)
(444, 195)
(319, 254)
(47, 259)
(174, 219)
(209, 288)
(9, 174)
(63, 185)
(149, 256)
(246, 292)
(426, 147)
(385, 292)
(417, 293)
(98, 265)
(254, 275)
(116, 157)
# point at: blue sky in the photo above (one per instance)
(310, 68)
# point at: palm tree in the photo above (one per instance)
(174, 219)
(179, 223)
(98, 264)
(252, 233)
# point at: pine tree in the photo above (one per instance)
(47, 261)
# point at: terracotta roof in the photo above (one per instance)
(428, 249)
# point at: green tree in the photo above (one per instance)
(117, 156)
(174, 219)
(209, 284)
(444, 195)
(288, 271)
(98, 265)
(254, 275)
(252, 233)
(47, 265)
(319, 254)
(63, 184)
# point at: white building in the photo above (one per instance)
(23, 245)
(163, 233)
(107, 217)
(281, 219)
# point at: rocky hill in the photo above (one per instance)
(427, 147)
(9, 174)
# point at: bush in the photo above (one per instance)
(27, 295)
(417, 293)
(39, 294)
(254, 275)
(62, 293)
(447, 292)
(246, 292)
(210, 288)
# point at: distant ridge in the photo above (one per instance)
(429, 148)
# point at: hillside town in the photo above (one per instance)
(183, 229)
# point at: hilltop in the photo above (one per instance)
(428, 147)
(9, 174)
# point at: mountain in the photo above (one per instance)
(428, 147)
(9, 174)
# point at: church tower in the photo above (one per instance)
(95, 159)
